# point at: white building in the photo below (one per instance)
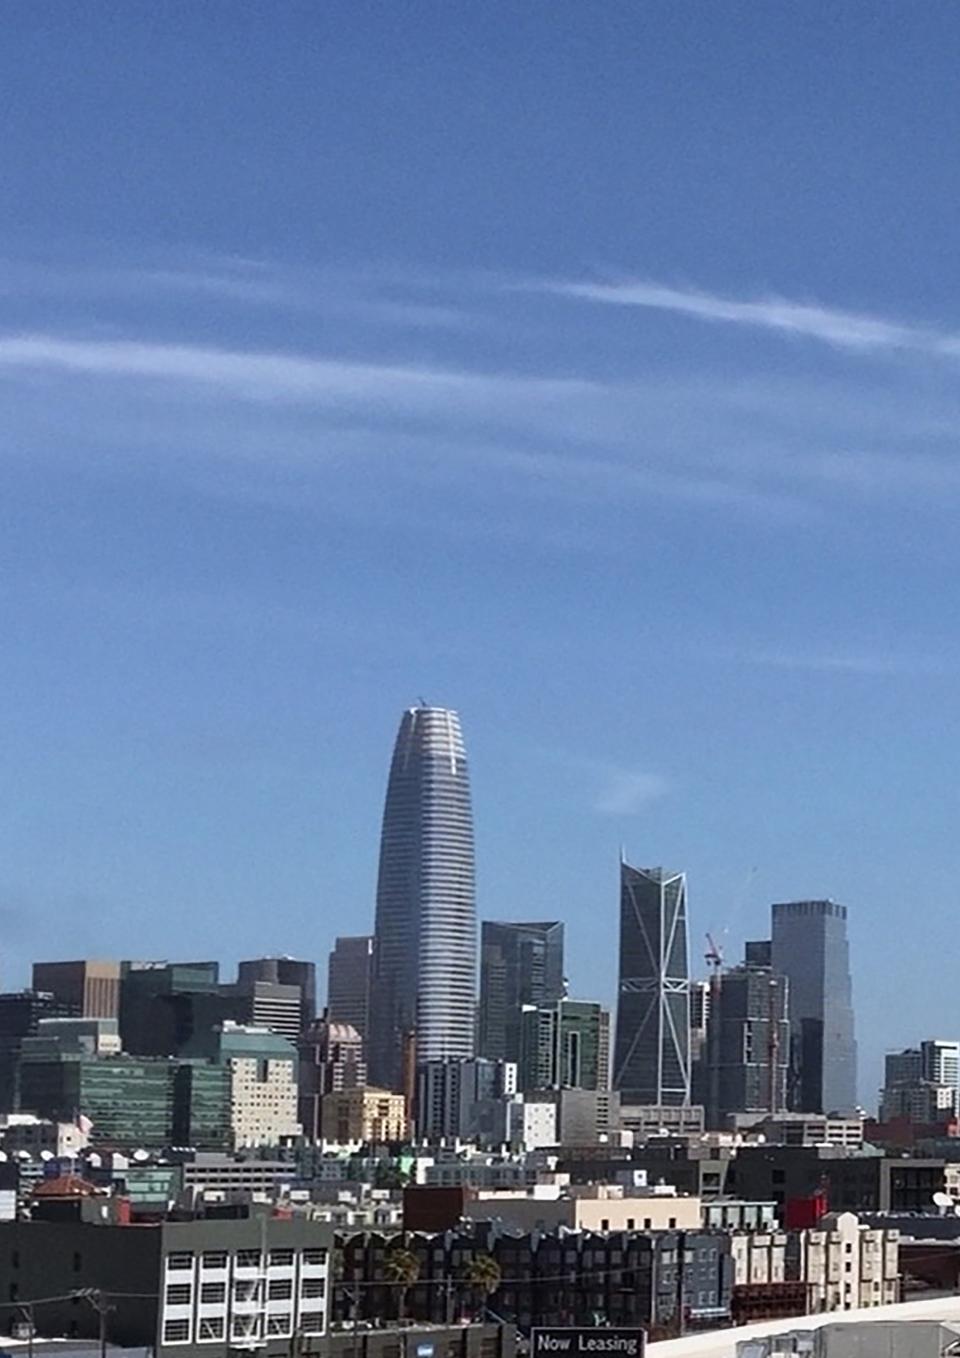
(455, 1097)
(847, 1265)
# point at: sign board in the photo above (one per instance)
(596, 1340)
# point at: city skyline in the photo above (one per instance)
(407, 374)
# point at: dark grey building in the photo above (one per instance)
(565, 1045)
(349, 978)
(748, 1044)
(20, 1015)
(188, 1288)
(425, 941)
(810, 948)
(286, 971)
(652, 1053)
(167, 1006)
(519, 964)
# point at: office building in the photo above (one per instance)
(186, 1287)
(167, 1006)
(262, 1070)
(285, 971)
(331, 1059)
(371, 1116)
(809, 946)
(520, 964)
(452, 1096)
(20, 1015)
(90, 989)
(565, 1045)
(920, 1083)
(748, 1044)
(652, 1054)
(349, 978)
(268, 1004)
(425, 935)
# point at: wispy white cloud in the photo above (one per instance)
(627, 791)
(267, 376)
(842, 329)
(868, 663)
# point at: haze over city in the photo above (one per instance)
(596, 378)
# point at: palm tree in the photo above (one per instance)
(401, 1268)
(482, 1276)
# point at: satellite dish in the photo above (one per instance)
(94, 1160)
(941, 1199)
(3, 1157)
(46, 1155)
(140, 1156)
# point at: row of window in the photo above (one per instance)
(212, 1328)
(180, 1260)
(215, 1294)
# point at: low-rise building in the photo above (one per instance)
(177, 1288)
(846, 1264)
(589, 1207)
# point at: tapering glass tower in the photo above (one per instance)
(425, 944)
(652, 1055)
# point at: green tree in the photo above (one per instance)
(482, 1276)
(401, 1268)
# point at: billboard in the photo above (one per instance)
(595, 1339)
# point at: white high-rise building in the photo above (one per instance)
(425, 943)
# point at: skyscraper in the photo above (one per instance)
(652, 1051)
(285, 971)
(90, 988)
(748, 1044)
(425, 945)
(810, 948)
(565, 1045)
(519, 964)
(349, 979)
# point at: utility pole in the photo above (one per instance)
(98, 1300)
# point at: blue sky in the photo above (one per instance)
(593, 369)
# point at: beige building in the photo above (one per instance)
(759, 1257)
(588, 1207)
(847, 1265)
(262, 1070)
(363, 1114)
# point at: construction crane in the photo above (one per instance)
(713, 956)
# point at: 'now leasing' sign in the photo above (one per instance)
(596, 1340)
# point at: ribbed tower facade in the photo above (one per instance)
(425, 939)
(652, 1055)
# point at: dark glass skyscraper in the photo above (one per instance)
(810, 948)
(519, 964)
(425, 945)
(652, 1051)
(349, 981)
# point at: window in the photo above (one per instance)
(14, 1291)
(179, 1294)
(281, 1323)
(213, 1294)
(647, 1223)
(281, 1289)
(672, 1223)
(246, 1289)
(312, 1324)
(605, 1223)
(176, 1332)
(848, 1267)
(15, 1259)
(214, 1258)
(312, 1287)
(631, 1223)
(77, 1261)
(211, 1327)
(244, 1327)
(180, 1259)
(315, 1256)
(248, 1258)
(281, 1258)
